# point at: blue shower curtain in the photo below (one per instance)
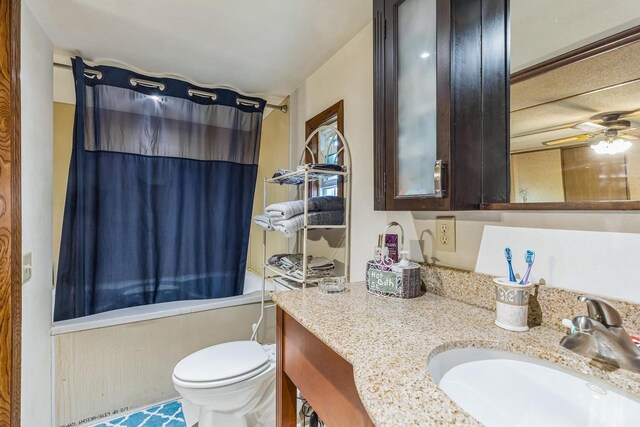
(160, 192)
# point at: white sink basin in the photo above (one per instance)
(499, 388)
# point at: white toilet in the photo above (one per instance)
(233, 384)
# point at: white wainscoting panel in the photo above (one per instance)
(100, 372)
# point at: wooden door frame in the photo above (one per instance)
(321, 119)
(10, 214)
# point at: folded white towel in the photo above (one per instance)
(285, 210)
(263, 221)
(290, 225)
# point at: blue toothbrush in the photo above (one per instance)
(529, 258)
(508, 256)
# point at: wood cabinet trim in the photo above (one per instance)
(10, 214)
(496, 158)
(615, 41)
(324, 378)
(472, 105)
(563, 206)
(286, 395)
(379, 33)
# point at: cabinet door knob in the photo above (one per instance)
(438, 178)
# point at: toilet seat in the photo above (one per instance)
(222, 365)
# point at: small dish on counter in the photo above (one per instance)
(332, 285)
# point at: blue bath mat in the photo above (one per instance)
(165, 415)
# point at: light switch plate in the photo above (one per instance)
(446, 234)
(26, 267)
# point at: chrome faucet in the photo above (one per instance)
(601, 337)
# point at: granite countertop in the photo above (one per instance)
(389, 343)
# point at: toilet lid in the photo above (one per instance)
(222, 361)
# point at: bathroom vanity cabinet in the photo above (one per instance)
(440, 104)
(323, 377)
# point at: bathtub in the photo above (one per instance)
(112, 362)
(252, 286)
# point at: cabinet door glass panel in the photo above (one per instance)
(416, 73)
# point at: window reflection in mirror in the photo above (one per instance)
(575, 123)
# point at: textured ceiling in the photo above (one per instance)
(562, 92)
(543, 29)
(599, 71)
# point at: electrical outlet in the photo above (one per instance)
(26, 267)
(446, 234)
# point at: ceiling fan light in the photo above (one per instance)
(622, 145)
(616, 146)
(600, 147)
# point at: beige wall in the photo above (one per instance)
(130, 366)
(37, 101)
(540, 174)
(274, 154)
(62, 143)
(348, 76)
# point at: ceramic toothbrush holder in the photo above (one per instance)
(512, 304)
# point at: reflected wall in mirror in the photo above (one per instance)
(575, 101)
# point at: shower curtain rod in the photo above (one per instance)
(281, 108)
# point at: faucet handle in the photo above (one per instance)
(601, 310)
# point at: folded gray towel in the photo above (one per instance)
(292, 180)
(286, 210)
(326, 217)
(291, 225)
(326, 203)
(263, 221)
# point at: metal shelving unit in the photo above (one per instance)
(310, 175)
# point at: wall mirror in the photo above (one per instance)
(575, 104)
